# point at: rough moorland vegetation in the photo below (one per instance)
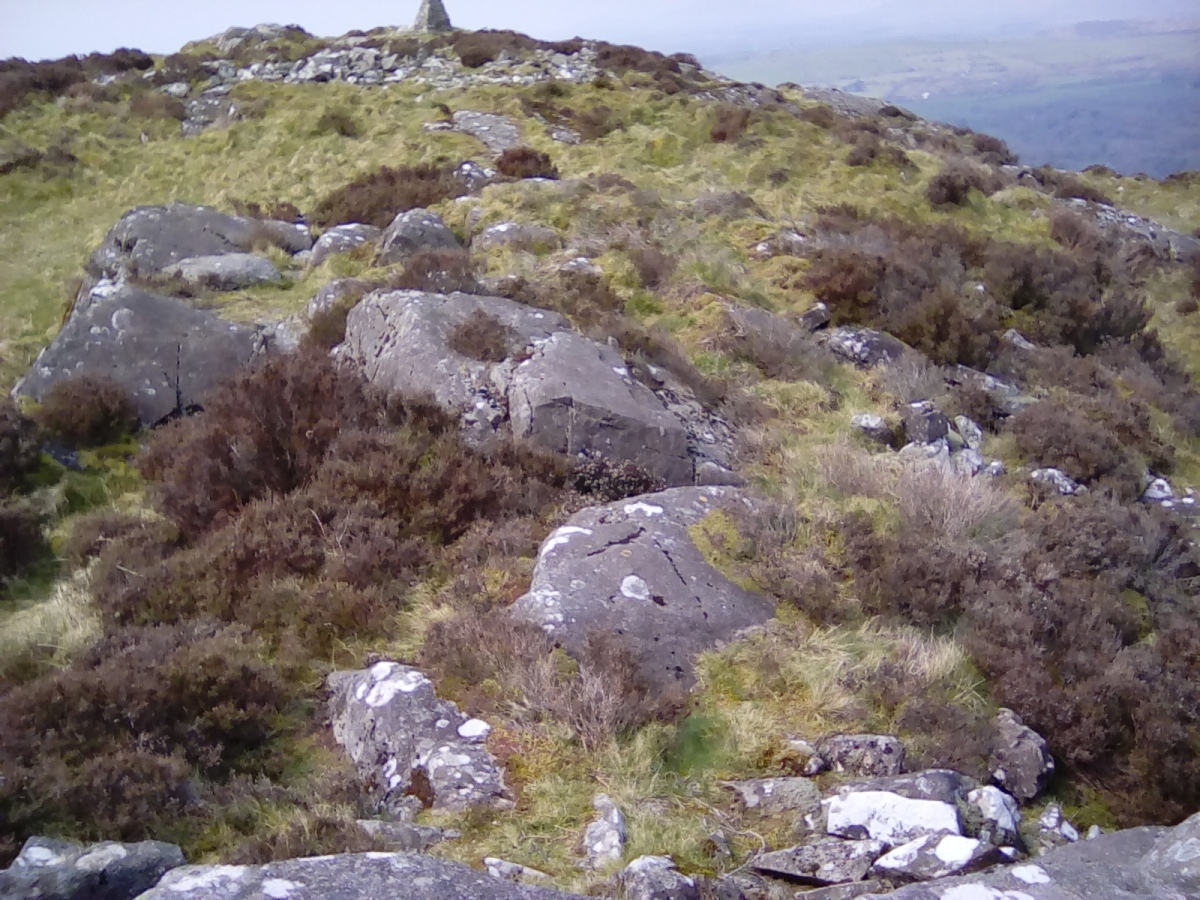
(172, 599)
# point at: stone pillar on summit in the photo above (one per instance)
(432, 17)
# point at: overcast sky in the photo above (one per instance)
(39, 29)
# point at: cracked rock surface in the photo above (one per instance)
(350, 876)
(167, 353)
(631, 569)
(405, 741)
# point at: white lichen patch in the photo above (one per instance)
(403, 682)
(474, 729)
(635, 588)
(1030, 874)
(203, 878)
(101, 857)
(980, 892)
(646, 509)
(956, 851)
(561, 537)
(280, 888)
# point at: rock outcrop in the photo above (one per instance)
(167, 353)
(632, 570)
(1136, 864)
(553, 388)
(406, 742)
(351, 876)
(50, 869)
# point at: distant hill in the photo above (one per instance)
(1121, 94)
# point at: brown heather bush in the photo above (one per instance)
(20, 80)
(476, 48)
(378, 197)
(87, 411)
(155, 105)
(1185, 306)
(279, 210)
(22, 542)
(821, 115)
(1068, 186)
(654, 267)
(730, 123)
(110, 747)
(868, 149)
(1052, 434)
(19, 451)
(436, 271)
(992, 150)
(265, 432)
(1044, 609)
(526, 162)
(481, 336)
(783, 351)
(953, 185)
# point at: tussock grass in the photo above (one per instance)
(53, 631)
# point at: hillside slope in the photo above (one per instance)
(176, 597)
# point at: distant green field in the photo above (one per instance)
(1128, 99)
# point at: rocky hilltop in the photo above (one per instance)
(453, 464)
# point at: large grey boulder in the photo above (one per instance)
(148, 239)
(401, 341)
(828, 861)
(343, 239)
(351, 876)
(412, 231)
(432, 17)
(51, 869)
(1136, 864)
(574, 396)
(167, 353)
(1021, 762)
(631, 569)
(227, 272)
(405, 741)
(553, 388)
(866, 347)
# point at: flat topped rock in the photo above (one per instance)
(150, 238)
(225, 272)
(350, 876)
(630, 569)
(497, 133)
(166, 353)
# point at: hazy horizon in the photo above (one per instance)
(56, 28)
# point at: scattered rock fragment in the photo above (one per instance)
(862, 754)
(1001, 816)
(404, 740)
(935, 856)
(1021, 762)
(828, 861)
(772, 796)
(656, 878)
(1054, 829)
(604, 839)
